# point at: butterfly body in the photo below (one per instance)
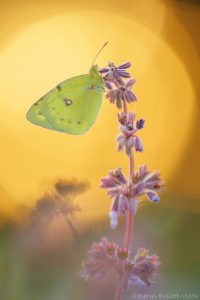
(72, 106)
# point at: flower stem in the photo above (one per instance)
(129, 221)
(125, 106)
(130, 216)
(119, 289)
(131, 167)
(129, 230)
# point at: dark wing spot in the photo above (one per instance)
(40, 113)
(58, 87)
(69, 121)
(53, 108)
(61, 119)
(79, 122)
(38, 102)
(67, 101)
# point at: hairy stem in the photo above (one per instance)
(125, 107)
(131, 167)
(119, 289)
(129, 221)
(130, 216)
(129, 230)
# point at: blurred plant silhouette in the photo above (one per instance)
(61, 202)
(51, 223)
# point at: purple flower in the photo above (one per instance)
(108, 84)
(126, 196)
(121, 193)
(141, 270)
(105, 256)
(113, 73)
(116, 185)
(122, 93)
(148, 183)
(115, 178)
(101, 258)
(128, 139)
(140, 123)
(142, 172)
(126, 119)
(138, 144)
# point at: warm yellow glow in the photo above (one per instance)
(54, 48)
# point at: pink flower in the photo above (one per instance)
(115, 178)
(111, 72)
(120, 191)
(141, 270)
(148, 183)
(128, 139)
(126, 196)
(122, 93)
(116, 184)
(102, 257)
(105, 256)
(118, 89)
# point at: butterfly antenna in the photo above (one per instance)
(99, 52)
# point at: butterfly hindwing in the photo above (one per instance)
(35, 115)
(71, 107)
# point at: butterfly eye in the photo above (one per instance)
(68, 102)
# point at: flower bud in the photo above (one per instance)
(138, 144)
(113, 219)
(108, 85)
(140, 123)
(111, 248)
(153, 197)
(122, 253)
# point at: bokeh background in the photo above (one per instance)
(42, 243)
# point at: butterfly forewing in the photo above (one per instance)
(71, 107)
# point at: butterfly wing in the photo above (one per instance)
(71, 107)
